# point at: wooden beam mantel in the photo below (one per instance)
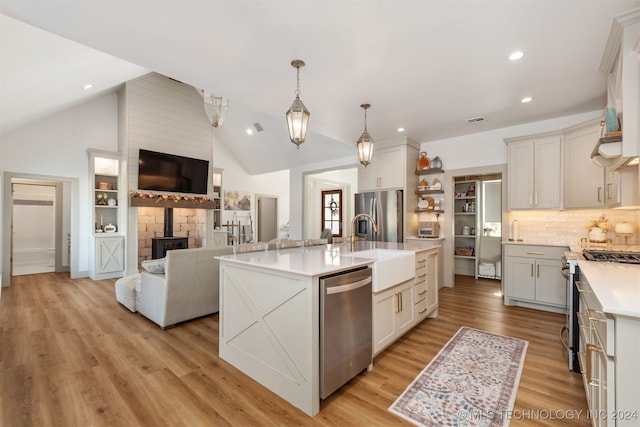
(159, 202)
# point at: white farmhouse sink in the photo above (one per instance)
(390, 268)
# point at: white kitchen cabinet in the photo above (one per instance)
(392, 314)
(621, 187)
(425, 289)
(534, 172)
(430, 243)
(387, 169)
(583, 179)
(533, 277)
(608, 356)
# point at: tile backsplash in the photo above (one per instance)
(568, 227)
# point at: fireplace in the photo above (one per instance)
(160, 245)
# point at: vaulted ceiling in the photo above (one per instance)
(426, 65)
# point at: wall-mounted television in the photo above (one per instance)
(168, 172)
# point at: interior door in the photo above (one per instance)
(33, 228)
(267, 218)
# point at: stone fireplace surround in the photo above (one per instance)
(189, 223)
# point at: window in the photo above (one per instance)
(332, 211)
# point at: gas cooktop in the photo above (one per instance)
(611, 256)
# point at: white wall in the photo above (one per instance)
(56, 147)
(488, 148)
(234, 177)
(296, 188)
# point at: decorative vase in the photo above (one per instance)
(597, 235)
(423, 161)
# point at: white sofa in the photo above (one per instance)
(189, 287)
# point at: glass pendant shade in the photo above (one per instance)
(365, 142)
(297, 115)
(365, 148)
(297, 122)
(216, 108)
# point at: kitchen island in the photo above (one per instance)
(269, 314)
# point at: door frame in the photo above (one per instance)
(72, 205)
(449, 175)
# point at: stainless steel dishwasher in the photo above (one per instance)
(345, 327)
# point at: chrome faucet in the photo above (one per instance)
(353, 226)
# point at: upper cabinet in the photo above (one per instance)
(386, 171)
(534, 172)
(583, 179)
(621, 64)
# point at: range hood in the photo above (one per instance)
(608, 153)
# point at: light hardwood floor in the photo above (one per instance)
(70, 355)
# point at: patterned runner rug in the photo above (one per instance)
(472, 381)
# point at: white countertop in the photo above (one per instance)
(316, 260)
(530, 243)
(616, 285)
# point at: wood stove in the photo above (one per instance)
(160, 245)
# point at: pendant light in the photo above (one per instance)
(298, 115)
(365, 143)
(216, 108)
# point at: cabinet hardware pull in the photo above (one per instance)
(590, 349)
(609, 186)
(531, 270)
(535, 253)
(530, 199)
(422, 276)
(596, 319)
(537, 270)
(536, 199)
(600, 194)
(422, 293)
(423, 311)
(421, 261)
(401, 308)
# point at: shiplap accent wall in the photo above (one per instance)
(166, 116)
(160, 114)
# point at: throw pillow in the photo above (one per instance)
(154, 265)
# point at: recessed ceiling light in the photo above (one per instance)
(400, 129)
(249, 131)
(88, 86)
(526, 99)
(516, 55)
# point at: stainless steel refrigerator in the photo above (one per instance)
(386, 208)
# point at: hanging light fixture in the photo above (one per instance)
(216, 108)
(298, 115)
(365, 143)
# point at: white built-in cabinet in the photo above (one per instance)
(386, 170)
(108, 201)
(534, 172)
(398, 309)
(533, 277)
(392, 314)
(584, 185)
(621, 187)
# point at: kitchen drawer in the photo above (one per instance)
(603, 326)
(421, 259)
(536, 251)
(419, 291)
(421, 307)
